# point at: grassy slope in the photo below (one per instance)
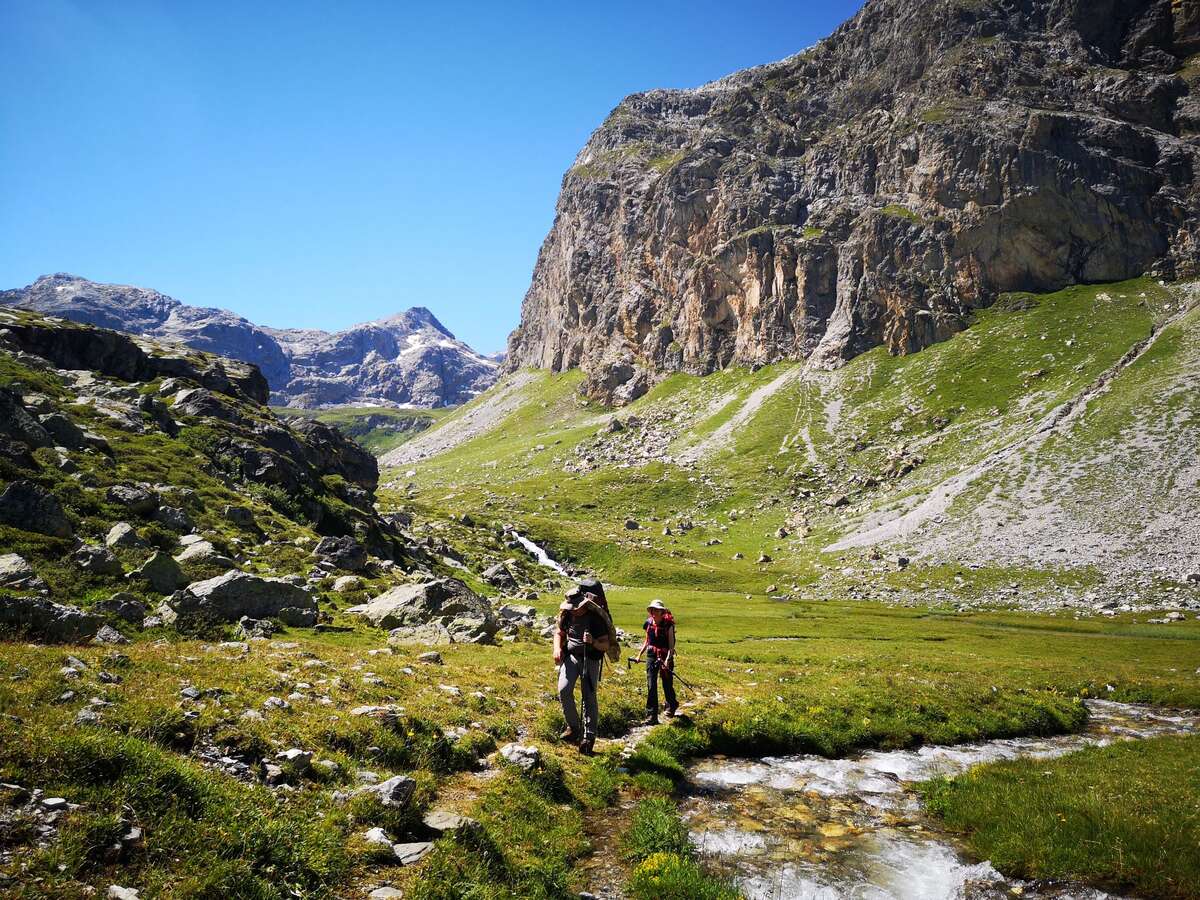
(356, 422)
(1126, 817)
(821, 676)
(822, 434)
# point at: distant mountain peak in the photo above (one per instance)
(372, 362)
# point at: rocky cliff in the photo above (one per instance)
(873, 189)
(407, 359)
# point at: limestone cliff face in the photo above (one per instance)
(873, 189)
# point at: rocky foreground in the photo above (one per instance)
(873, 190)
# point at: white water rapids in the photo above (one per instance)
(811, 828)
(538, 553)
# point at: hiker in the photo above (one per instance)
(584, 635)
(660, 641)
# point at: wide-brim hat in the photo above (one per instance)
(657, 604)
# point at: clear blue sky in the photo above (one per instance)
(321, 164)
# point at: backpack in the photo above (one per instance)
(614, 644)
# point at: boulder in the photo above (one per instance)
(347, 583)
(343, 552)
(161, 572)
(65, 432)
(97, 560)
(517, 615)
(30, 507)
(499, 576)
(18, 424)
(174, 518)
(203, 552)
(229, 597)
(17, 575)
(123, 606)
(43, 620)
(124, 536)
(442, 611)
(256, 628)
(139, 500)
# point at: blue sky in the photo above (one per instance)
(322, 164)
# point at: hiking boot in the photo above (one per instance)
(651, 719)
(568, 734)
(671, 710)
(586, 746)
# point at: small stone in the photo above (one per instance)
(276, 703)
(299, 760)
(377, 836)
(408, 854)
(387, 892)
(109, 635)
(443, 821)
(431, 656)
(54, 804)
(522, 756)
(116, 892)
(87, 716)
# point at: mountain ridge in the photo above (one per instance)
(872, 190)
(406, 359)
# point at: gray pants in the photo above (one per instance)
(586, 671)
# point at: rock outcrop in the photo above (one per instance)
(444, 611)
(229, 597)
(410, 358)
(873, 189)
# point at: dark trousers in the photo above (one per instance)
(655, 669)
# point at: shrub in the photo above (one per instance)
(656, 828)
(668, 876)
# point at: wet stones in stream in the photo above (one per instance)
(810, 828)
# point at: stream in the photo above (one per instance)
(537, 552)
(811, 828)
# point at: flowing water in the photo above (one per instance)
(538, 553)
(810, 828)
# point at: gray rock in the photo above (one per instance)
(65, 432)
(116, 892)
(347, 583)
(123, 606)
(256, 628)
(343, 552)
(139, 500)
(443, 821)
(174, 518)
(377, 836)
(106, 634)
(522, 756)
(499, 576)
(391, 893)
(203, 552)
(396, 792)
(517, 615)
(432, 657)
(409, 854)
(445, 611)
(299, 760)
(228, 597)
(16, 574)
(30, 507)
(124, 536)
(43, 620)
(161, 573)
(97, 560)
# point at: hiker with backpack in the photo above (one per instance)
(660, 643)
(585, 634)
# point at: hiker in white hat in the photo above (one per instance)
(660, 642)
